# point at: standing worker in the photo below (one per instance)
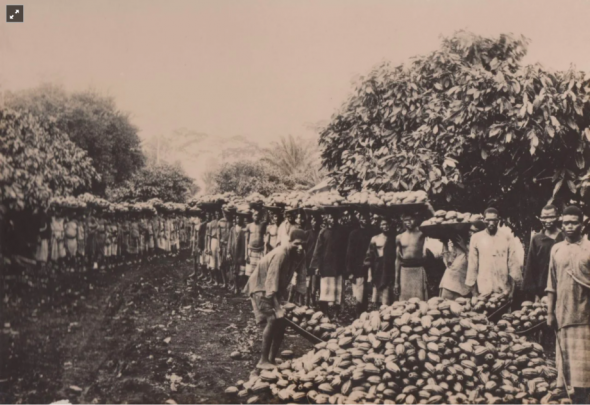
(381, 259)
(455, 253)
(287, 226)
(537, 264)
(410, 274)
(326, 260)
(493, 266)
(271, 236)
(254, 234)
(358, 244)
(568, 291)
(314, 222)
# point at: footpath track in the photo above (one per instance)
(137, 334)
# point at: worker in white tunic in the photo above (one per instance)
(493, 264)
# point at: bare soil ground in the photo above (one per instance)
(139, 334)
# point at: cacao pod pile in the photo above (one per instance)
(451, 217)
(388, 198)
(208, 199)
(255, 198)
(329, 198)
(485, 304)
(365, 197)
(411, 352)
(315, 322)
(531, 314)
(294, 199)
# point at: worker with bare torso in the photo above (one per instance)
(254, 235)
(410, 275)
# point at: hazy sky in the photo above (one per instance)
(255, 68)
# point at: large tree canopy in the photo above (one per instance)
(38, 161)
(92, 122)
(164, 181)
(470, 124)
(245, 177)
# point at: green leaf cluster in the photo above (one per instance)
(38, 161)
(470, 124)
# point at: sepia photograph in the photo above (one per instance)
(295, 202)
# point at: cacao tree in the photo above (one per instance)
(38, 161)
(470, 124)
(164, 181)
(244, 178)
(93, 123)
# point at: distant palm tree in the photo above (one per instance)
(295, 158)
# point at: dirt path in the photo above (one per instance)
(146, 334)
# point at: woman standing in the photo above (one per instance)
(91, 244)
(71, 239)
(152, 234)
(101, 234)
(114, 237)
(42, 253)
(133, 248)
(168, 233)
(81, 243)
(58, 249)
(107, 248)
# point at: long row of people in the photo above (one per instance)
(78, 239)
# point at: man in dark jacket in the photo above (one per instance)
(328, 260)
(537, 264)
(358, 244)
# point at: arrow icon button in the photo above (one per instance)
(15, 14)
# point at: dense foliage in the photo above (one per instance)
(295, 159)
(93, 123)
(244, 178)
(470, 124)
(164, 181)
(38, 161)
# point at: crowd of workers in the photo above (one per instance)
(305, 256)
(388, 264)
(73, 239)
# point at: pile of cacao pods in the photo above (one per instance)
(315, 322)
(411, 352)
(530, 315)
(388, 199)
(451, 217)
(484, 304)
